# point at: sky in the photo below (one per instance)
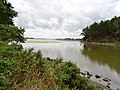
(61, 18)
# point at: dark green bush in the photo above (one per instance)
(69, 77)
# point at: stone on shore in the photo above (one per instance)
(97, 76)
(83, 73)
(106, 79)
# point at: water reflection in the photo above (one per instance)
(103, 55)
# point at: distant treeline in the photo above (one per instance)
(68, 39)
(104, 31)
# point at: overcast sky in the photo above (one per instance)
(61, 18)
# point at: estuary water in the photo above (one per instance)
(101, 60)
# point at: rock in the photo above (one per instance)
(97, 76)
(106, 79)
(108, 83)
(83, 73)
(107, 86)
(49, 59)
(89, 74)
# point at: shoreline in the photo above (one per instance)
(104, 44)
(99, 86)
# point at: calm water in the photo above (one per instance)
(101, 60)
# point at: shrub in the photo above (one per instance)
(26, 69)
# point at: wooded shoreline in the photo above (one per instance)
(104, 44)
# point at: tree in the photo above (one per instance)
(6, 13)
(105, 31)
(11, 33)
(8, 31)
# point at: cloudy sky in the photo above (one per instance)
(61, 18)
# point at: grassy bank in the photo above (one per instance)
(27, 70)
(104, 44)
(48, 41)
(42, 41)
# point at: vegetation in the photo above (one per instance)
(8, 31)
(105, 31)
(28, 70)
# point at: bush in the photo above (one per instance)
(25, 69)
(69, 77)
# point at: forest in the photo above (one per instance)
(104, 31)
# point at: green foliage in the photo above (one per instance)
(8, 31)
(16, 65)
(11, 33)
(105, 31)
(23, 69)
(69, 77)
(6, 13)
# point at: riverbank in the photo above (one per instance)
(48, 40)
(88, 75)
(104, 44)
(28, 70)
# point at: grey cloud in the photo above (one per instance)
(62, 16)
(103, 12)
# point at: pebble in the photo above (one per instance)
(97, 76)
(83, 73)
(108, 86)
(108, 83)
(106, 80)
(88, 74)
